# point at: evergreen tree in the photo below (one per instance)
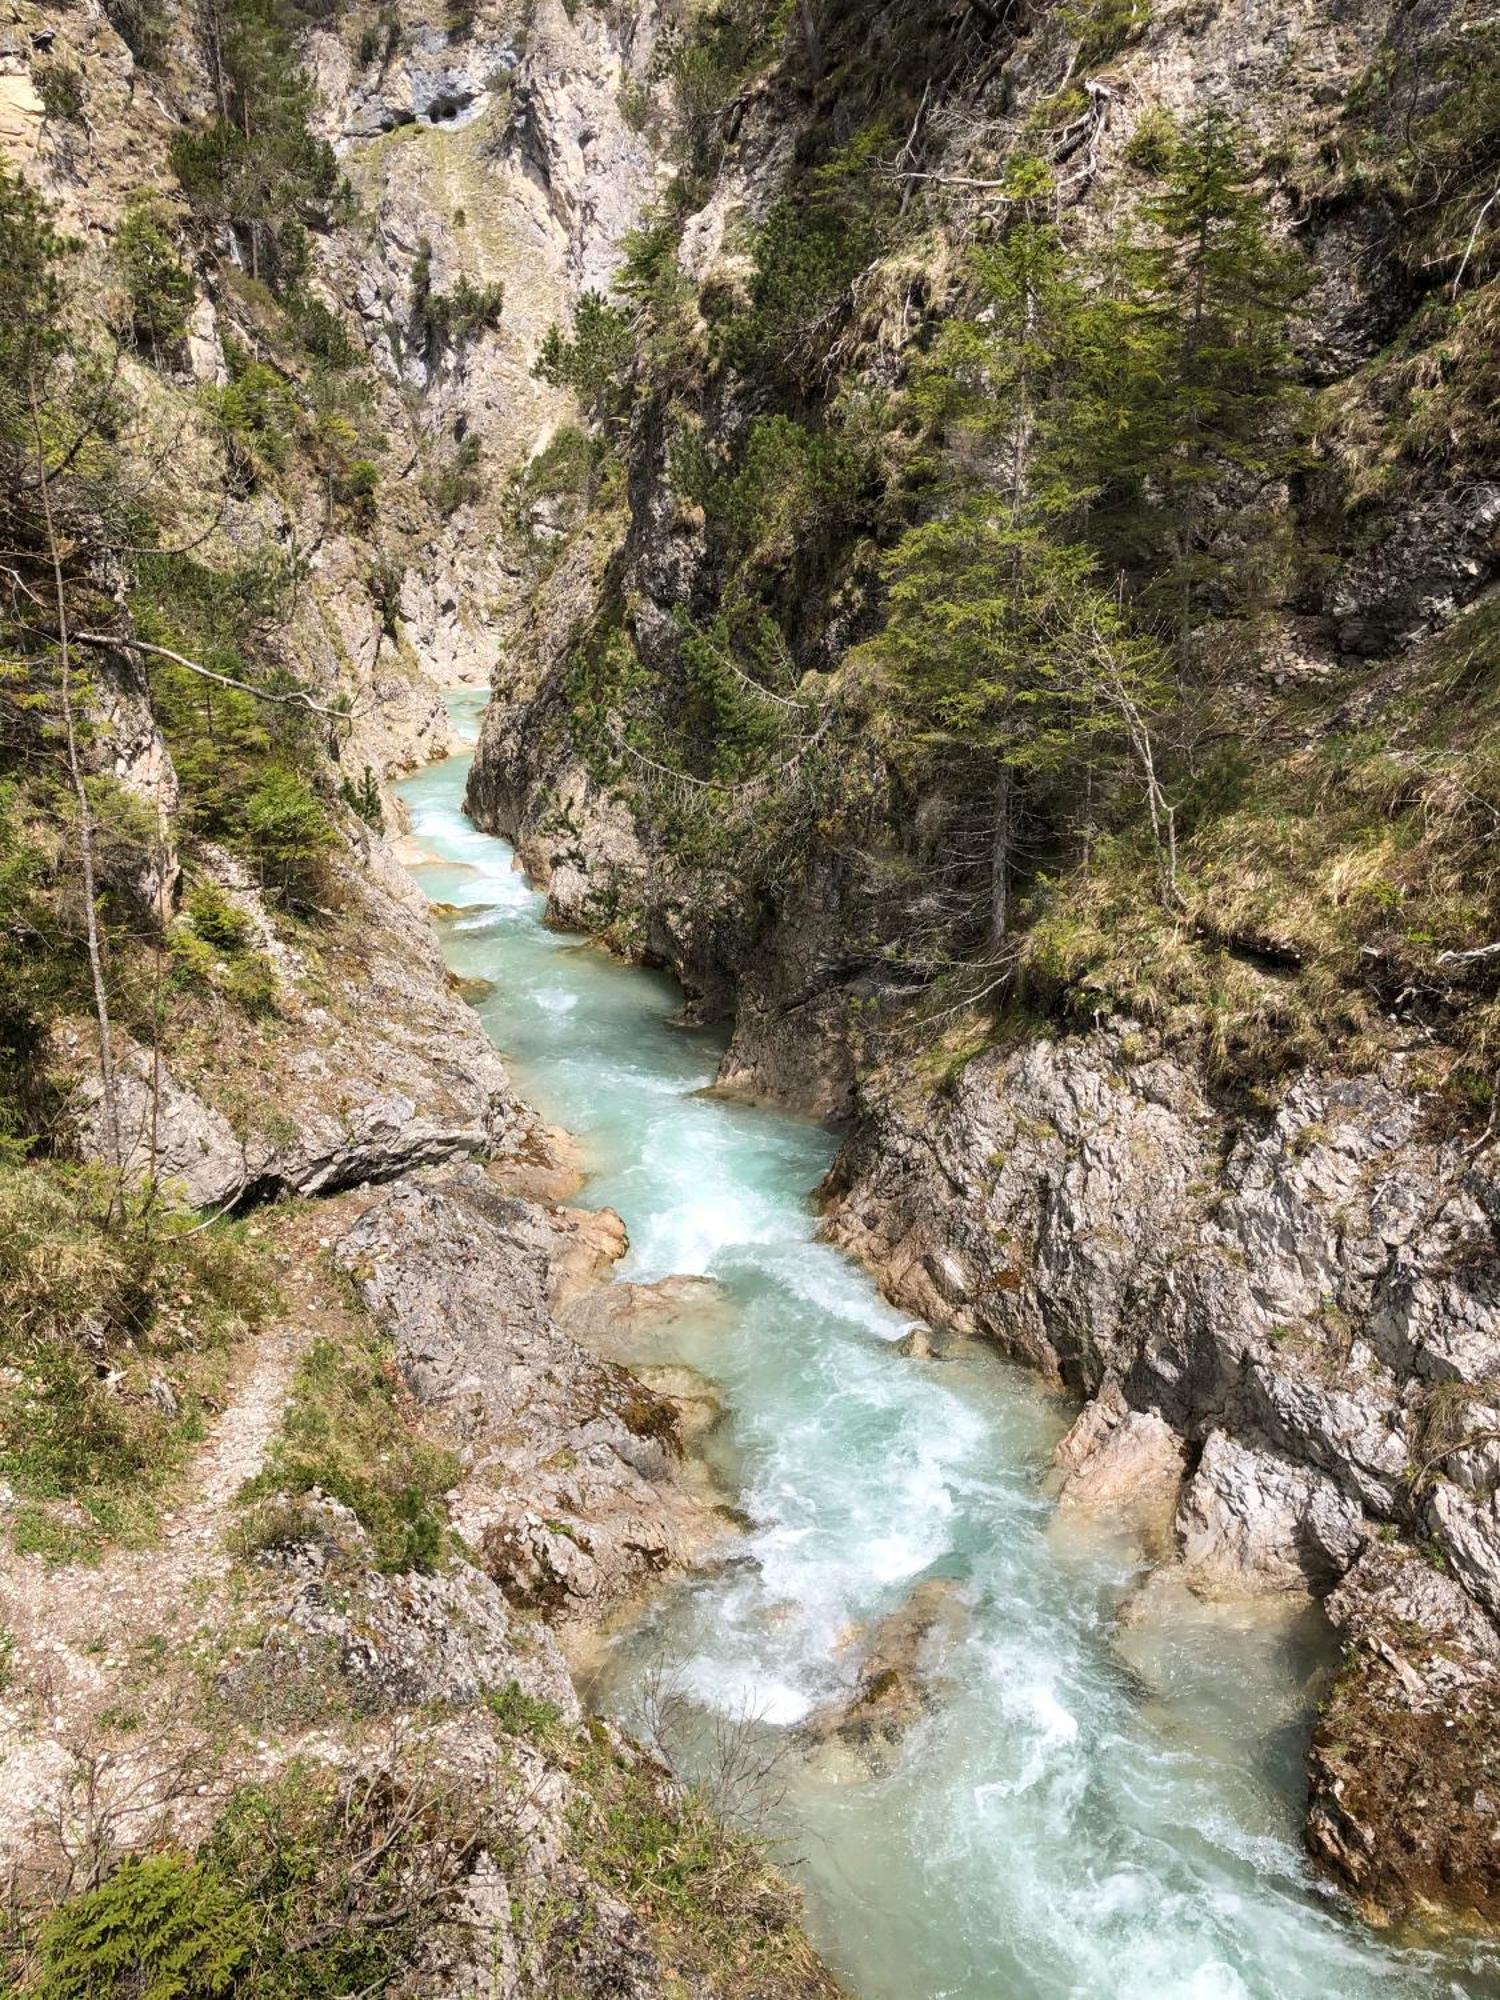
(256, 168)
(1208, 406)
(1009, 670)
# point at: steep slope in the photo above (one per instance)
(1032, 670)
(281, 1706)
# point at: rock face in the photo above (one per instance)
(504, 158)
(394, 1641)
(378, 1069)
(1406, 1756)
(1289, 1330)
(571, 1490)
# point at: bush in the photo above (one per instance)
(290, 835)
(60, 87)
(257, 415)
(105, 1291)
(364, 798)
(158, 284)
(456, 481)
(216, 920)
(320, 331)
(443, 319)
(594, 361)
(162, 1927)
(520, 1713)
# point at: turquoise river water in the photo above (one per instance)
(1085, 1811)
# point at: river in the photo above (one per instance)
(1082, 1812)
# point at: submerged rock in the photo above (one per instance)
(624, 1322)
(896, 1681)
(1122, 1466)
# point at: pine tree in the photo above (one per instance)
(1214, 396)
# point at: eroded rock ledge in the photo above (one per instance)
(572, 1492)
(1288, 1333)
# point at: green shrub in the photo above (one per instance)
(256, 413)
(363, 797)
(520, 1713)
(321, 333)
(217, 921)
(1103, 27)
(456, 480)
(162, 1927)
(251, 985)
(60, 87)
(1151, 145)
(96, 1279)
(290, 834)
(594, 361)
(447, 319)
(158, 284)
(355, 486)
(141, 26)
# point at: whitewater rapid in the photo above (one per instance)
(1083, 1811)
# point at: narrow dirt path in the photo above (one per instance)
(100, 1652)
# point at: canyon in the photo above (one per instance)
(1215, 1277)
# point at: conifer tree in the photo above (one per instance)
(1207, 406)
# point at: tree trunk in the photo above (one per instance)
(1000, 861)
(811, 40)
(109, 1096)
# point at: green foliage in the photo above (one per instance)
(385, 581)
(158, 285)
(594, 361)
(1103, 27)
(442, 320)
(320, 332)
(257, 415)
(522, 1714)
(142, 26)
(718, 1910)
(92, 1274)
(812, 246)
(456, 480)
(60, 88)
(565, 468)
(32, 331)
(1153, 141)
(161, 1927)
(1215, 297)
(350, 1432)
(290, 835)
(42, 966)
(706, 60)
(363, 797)
(256, 168)
(217, 921)
(1424, 128)
(243, 763)
(312, 1886)
(345, 1875)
